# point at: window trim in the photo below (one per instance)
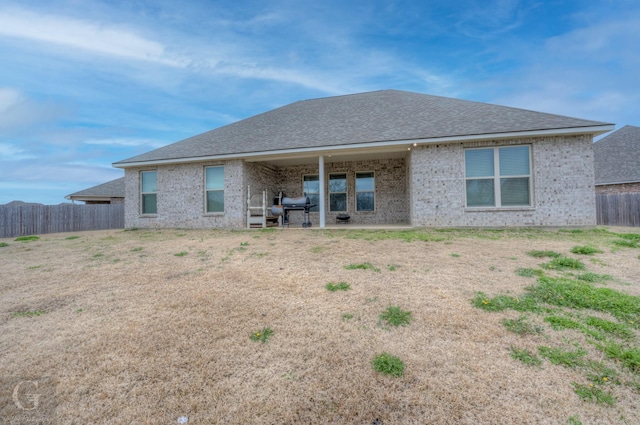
(317, 207)
(346, 192)
(141, 197)
(206, 191)
(355, 185)
(496, 180)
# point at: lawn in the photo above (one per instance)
(326, 326)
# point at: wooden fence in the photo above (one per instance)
(25, 220)
(618, 209)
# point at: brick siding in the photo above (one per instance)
(427, 188)
(563, 185)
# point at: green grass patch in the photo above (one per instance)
(362, 266)
(333, 287)
(455, 255)
(593, 393)
(543, 254)
(388, 364)
(594, 277)
(630, 236)
(69, 238)
(585, 250)
(522, 326)
(347, 316)
(3, 244)
(526, 272)
(262, 335)
(137, 249)
(393, 267)
(626, 243)
(563, 263)
(601, 374)
(561, 322)
(619, 330)
(26, 238)
(181, 254)
(410, 235)
(504, 302)
(395, 316)
(526, 357)
(574, 420)
(628, 356)
(557, 356)
(577, 294)
(28, 313)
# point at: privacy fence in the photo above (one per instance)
(618, 209)
(39, 219)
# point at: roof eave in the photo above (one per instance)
(620, 182)
(593, 130)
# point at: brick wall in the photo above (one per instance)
(563, 185)
(181, 199)
(425, 189)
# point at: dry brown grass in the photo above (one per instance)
(135, 334)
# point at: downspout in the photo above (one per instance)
(321, 184)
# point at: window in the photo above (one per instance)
(365, 191)
(498, 177)
(337, 192)
(311, 186)
(214, 188)
(148, 192)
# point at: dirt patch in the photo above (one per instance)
(146, 326)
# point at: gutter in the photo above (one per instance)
(594, 130)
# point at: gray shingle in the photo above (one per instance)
(617, 156)
(380, 116)
(110, 189)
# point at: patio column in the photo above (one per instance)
(321, 184)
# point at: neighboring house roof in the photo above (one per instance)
(617, 157)
(380, 118)
(104, 191)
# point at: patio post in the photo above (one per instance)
(321, 184)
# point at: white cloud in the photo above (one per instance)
(9, 97)
(490, 18)
(11, 153)
(18, 111)
(589, 72)
(93, 36)
(124, 141)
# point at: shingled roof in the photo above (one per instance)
(359, 119)
(617, 157)
(110, 189)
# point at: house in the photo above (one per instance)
(111, 192)
(617, 161)
(383, 157)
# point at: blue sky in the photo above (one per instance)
(87, 83)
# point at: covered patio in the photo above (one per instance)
(370, 187)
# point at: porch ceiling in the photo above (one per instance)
(335, 156)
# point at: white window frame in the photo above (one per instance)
(346, 192)
(142, 193)
(317, 207)
(206, 191)
(365, 191)
(497, 193)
